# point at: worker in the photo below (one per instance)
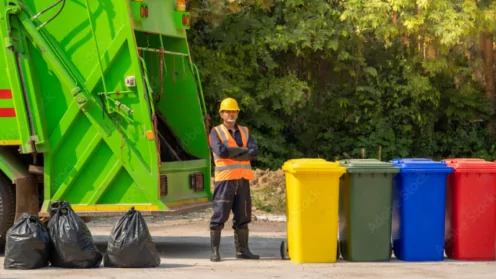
(233, 148)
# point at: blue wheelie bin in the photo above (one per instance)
(419, 197)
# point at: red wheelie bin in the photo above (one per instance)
(471, 210)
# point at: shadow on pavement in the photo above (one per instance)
(193, 247)
(163, 265)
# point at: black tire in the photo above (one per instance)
(283, 249)
(7, 208)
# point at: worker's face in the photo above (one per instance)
(229, 116)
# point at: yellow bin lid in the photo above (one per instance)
(312, 165)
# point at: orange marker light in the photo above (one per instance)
(150, 135)
(181, 5)
(186, 20)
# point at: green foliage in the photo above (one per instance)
(327, 78)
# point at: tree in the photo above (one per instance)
(440, 31)
(327, 78)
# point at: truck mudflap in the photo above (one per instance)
(26, 197)
(26, 185)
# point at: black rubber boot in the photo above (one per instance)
(241, 242)
(214, 245)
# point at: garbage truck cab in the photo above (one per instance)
(100, 106)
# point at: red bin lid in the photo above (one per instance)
(470, 163)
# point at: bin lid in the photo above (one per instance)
(420, 163)
(470, 163)
(312, 164)
(368, 165)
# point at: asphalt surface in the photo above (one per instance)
(184, 248)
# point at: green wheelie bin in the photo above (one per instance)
(365, 209)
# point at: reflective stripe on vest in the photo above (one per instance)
(244, 131)
(224, 140)
(231, 167)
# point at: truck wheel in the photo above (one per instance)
(7, 208)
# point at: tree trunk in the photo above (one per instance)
(486, 46)
(430, 51)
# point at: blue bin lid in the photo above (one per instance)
(421, 163)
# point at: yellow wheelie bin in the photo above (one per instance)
(312, 196)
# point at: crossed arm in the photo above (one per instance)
(249, 153)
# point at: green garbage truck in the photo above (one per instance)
(100, 106)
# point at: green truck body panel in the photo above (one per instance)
(110, 99)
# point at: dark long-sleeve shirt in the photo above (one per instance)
(221, 150)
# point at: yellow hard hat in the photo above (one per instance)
(229, 104)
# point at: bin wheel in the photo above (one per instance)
(284, 251)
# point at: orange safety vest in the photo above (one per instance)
(227, 169)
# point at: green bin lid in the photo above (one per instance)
(368, 166)
(312, 165)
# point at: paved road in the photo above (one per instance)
(184, 248)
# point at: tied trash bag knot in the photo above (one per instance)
(28, 244)
(59, 206)
(130, 244)
(72, 240)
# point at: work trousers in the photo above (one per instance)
(231, 195)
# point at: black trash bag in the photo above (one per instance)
(28, 244)
(130, 244)
(72, 240)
